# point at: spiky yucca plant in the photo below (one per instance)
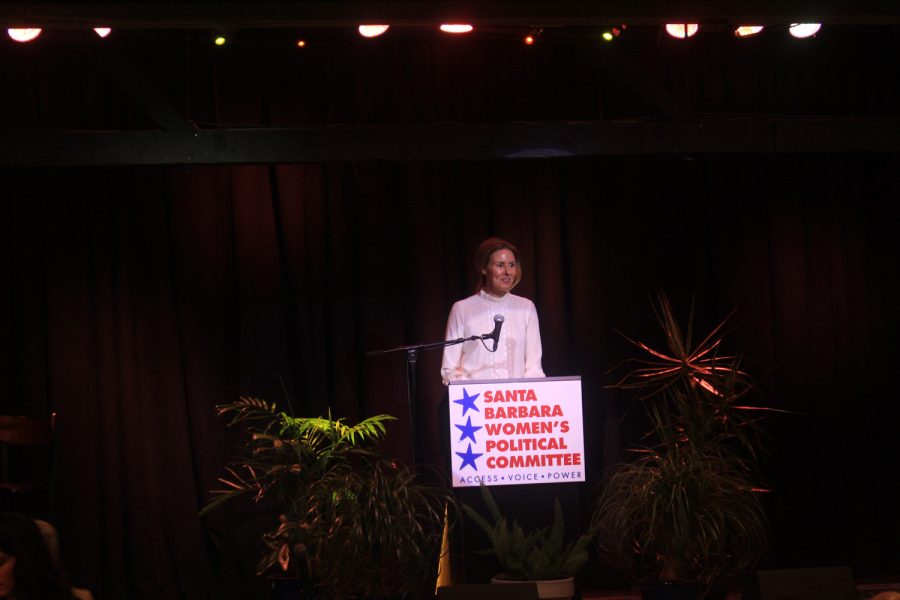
(688, 506)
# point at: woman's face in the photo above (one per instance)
(500, 272)
(7, 574)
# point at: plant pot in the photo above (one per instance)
(671, 590)
(290, 588)
(548, 589)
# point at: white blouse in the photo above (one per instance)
(518, 351)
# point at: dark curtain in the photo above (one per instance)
(135, 299)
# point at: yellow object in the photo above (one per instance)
(445, 575)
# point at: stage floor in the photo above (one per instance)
(867, 589)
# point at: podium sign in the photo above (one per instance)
(516, 431)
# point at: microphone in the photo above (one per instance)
(495, 334)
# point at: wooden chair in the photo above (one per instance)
(26, 463)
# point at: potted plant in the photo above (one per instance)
(380, 528)
(541, 555)
(686, 511)
(356, 523)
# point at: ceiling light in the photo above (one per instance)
(682, 30)
(456, 28)
(23, 35)
(102, 31)
(803, 30)
(370, 31)
(747, 30)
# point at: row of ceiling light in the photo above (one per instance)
(798, 30)
(676, 30)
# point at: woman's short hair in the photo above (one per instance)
(483, 256)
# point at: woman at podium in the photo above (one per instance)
(513, 350)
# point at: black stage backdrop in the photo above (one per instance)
(135, 299)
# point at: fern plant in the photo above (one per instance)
(541, 554)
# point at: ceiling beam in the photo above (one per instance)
(633, 77)
(334, 13)
(339, 143)
(144, 93)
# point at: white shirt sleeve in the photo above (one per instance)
(451, 364)
(533, 349)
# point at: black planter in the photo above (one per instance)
(671, 590)
(291, 588)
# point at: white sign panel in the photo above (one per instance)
(516, 431)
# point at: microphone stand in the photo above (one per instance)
(412, 354)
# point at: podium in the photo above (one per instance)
(516, 431)
(512, 434)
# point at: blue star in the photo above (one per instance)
(468, 402)
(468, 430)
(468, 458)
